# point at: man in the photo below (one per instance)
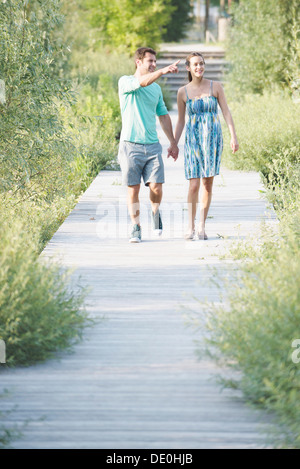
(141, 100)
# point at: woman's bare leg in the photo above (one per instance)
(206, 196)
(193, 199)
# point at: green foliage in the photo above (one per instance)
(125, 25)
(42, 218)
(39, 313)
(53, 143)
(95, 125)
(283, 185)
(95, 119)
(292, 72)
(39, 182)
(181, 19)
(254, 329)
(261, 45)
(267, 127)
(7, 435)
(34, 147)
(169, 102)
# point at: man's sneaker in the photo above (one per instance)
(157, 223)
(136, 234)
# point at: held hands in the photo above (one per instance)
(171, 68)
(173, 151)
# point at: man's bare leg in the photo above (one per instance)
(134, 204)
(156, 193)
(134, 212)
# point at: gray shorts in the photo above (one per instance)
(138, 160)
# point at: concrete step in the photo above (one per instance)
(209, 64)
(207, 54)
(215, 64)
(181, 79)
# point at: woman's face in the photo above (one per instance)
(196, 67)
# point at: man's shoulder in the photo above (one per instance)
(125, 78)
(128, 83)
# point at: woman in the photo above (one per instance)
(203, 137)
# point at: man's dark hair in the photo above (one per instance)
(142, 51)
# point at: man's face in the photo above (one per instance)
(147, 65)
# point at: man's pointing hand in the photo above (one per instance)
(171, 68)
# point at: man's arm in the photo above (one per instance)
(146, 80)
(166, 125)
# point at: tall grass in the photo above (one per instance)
(263, 47)
(254, 328)
(40, 313)
(267, 127)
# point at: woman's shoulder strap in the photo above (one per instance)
(211, 88)
(187, 96)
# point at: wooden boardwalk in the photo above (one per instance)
(135, 381)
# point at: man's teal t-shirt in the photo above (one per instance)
(139, 108)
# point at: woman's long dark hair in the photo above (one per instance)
(188, 61)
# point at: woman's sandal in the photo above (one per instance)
(190, 235)
(202, 236)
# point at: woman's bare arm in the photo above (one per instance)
(227, 115)
(181, 105)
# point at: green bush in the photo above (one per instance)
(54, 143)
(267, 126)
(283, 185)
(180, 21)
(41, 218)
(39, 313)
(126, 25)
(96, 123)
(8, 434)
(262, 49)
(34, 146)
(253, 330)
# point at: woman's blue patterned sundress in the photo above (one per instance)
(203, 137)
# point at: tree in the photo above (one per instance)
(207, 5)
(181, 18)
(262, 44)
(126, 25)
(32, 135)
